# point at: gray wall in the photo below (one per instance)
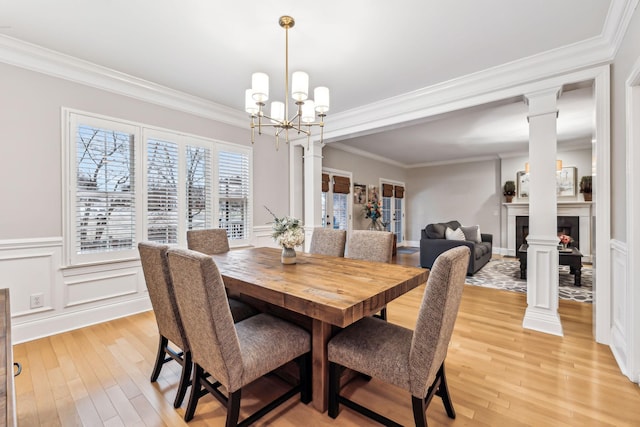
(365, 171)
(625, 58)
(467, 192)
(30, 152)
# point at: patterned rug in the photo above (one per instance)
(505, 274)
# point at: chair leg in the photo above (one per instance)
(196, 386)
(305, 378)
(233, 408)
(419, 411)
(443, 392)
(383, 313)
(334, 389)
(159, 358)
(185, 378)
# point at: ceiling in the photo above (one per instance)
(366, 52)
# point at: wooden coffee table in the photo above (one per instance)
(571, 257)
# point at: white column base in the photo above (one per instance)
(542, 321)
(542, 285)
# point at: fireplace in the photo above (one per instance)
(569, 225)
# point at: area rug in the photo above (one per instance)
(505, 274)
(407, 250)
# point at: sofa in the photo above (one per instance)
(434, 241)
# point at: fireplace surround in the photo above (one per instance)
(582, 210)
(569, 225)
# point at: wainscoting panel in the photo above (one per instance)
(71, 298)
(30, 268)
(97, 287)
(620, 309)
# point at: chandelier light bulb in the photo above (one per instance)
(299, 86)
(260, 87)
(249, 103)
(308, 111)
(321, 96)
(277, 111)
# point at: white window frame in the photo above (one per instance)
(401, 239)
(72, 118)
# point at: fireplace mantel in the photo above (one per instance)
(579, 209)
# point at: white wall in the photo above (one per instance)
(31, 241)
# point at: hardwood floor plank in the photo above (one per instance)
(499, 374)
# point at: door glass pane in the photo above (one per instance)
(386, 212)
(340, 211)
(324, 209)
(398, 219)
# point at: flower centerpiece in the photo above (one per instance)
(289, 233)
(565, 240)
(373, 211)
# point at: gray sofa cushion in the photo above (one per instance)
(437, 230)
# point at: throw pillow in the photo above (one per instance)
(436, 231)
(456, 234)
(472, 233)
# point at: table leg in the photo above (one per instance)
(320, 335)
(577, 276)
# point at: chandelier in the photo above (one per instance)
(305, 111)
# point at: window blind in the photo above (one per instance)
(233, 193)
(162, 191)
(387, 190)
(341, 184)
(198, 186)
(399, 191)
(325, 182)
(105, 217)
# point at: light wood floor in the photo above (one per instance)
(498, 373)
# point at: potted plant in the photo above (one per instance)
(509, 190)
(585, 187)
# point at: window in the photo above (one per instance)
(233, 193)
(127, 183)
(162, 191)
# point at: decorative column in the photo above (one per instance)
(312, 190)
(542, 257)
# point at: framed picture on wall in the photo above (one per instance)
(565, 182)
(372, 195)
(359, 194)
(522, 184)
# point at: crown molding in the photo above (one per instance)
(363, 153)
(500, 82)
(46, 61)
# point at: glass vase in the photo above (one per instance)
(375, 225)
(288, 255)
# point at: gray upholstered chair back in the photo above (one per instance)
(206, 315)
(211, 241)
(161, 293)
(437, 317)
(370, 245)
(327, 241)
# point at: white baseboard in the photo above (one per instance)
(39, 328)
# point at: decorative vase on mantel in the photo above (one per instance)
(288, 255)
(375, 225)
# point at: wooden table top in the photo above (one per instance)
(334, 290)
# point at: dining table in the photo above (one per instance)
(331, 292)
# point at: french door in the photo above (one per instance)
(393, 208)
(336, 203)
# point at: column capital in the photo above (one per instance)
(543, 101)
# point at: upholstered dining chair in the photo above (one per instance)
(327, 241)
(235, 355)
(213, 241)
(370, 245)
(411, 360)
(155, 268)
(210, 241)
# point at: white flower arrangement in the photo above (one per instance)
(287, 231)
